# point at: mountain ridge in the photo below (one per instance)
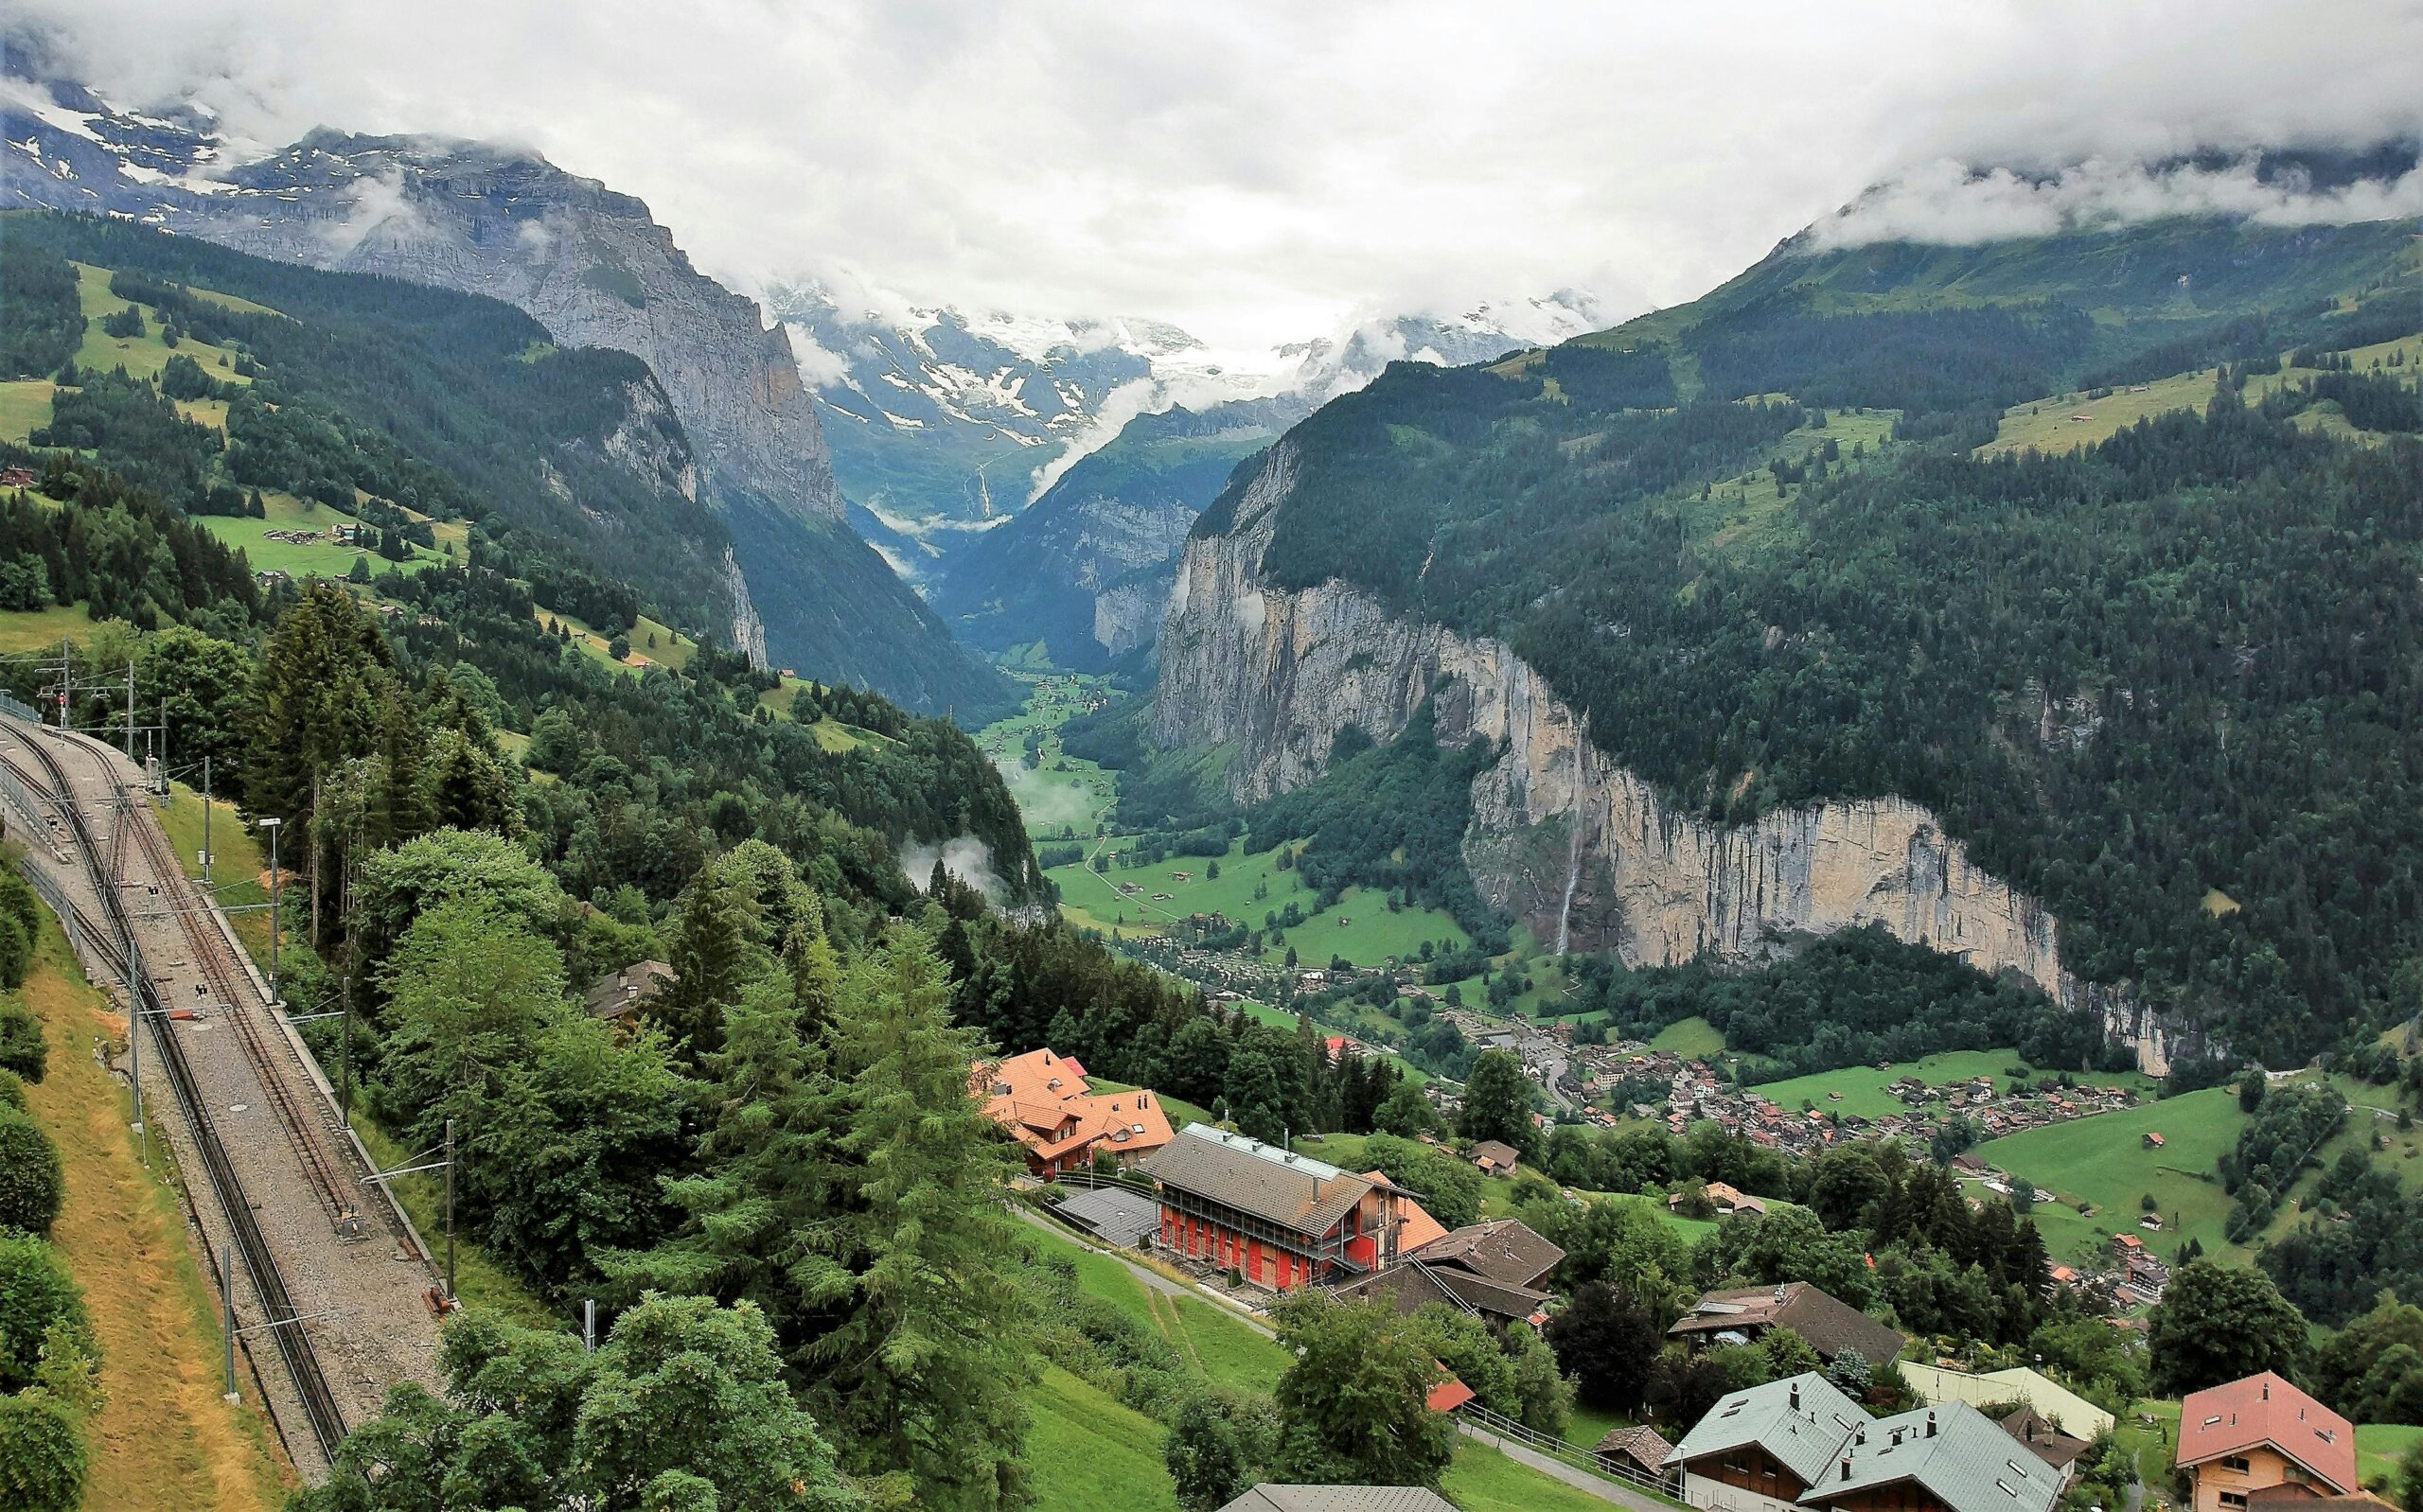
(595, 269)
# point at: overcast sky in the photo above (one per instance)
(1255, 171)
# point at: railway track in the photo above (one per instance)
(114, 934)
(210, 954)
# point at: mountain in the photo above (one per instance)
(2047, 600)
(1083, 573)
(595, 268)
(943, 422)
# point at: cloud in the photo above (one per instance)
(378, 206)
(1045, 805)
(1948, 203)
(1259, 171)
(817, 368)
(965, 856)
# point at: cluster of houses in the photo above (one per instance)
(2255, 1444)
(1279, 1221)
(1695, 1094)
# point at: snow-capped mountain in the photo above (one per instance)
(943, 423)
(592, 265)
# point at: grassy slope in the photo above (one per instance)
(2067, 422)
(1693, 1038)
(1862, 1087)
(24, 408)
(324, 559)
(1087, 1452)
(1483, 1479)
(165, 1439)
(142, 356)
(2102, 1160)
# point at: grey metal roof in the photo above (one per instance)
(1803, 1439)
(1340, 1498)
(1956, 1452)
(1294, 1191)
(1121, 1216)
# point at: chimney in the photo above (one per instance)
(1930, 1423)
(1847, 1467)
(1796, 1393)
(2267, 1391)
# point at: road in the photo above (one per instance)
(331, 1286)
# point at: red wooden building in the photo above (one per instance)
(1281, 1219)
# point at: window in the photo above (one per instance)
(2237, 1463)
(2234, 1499)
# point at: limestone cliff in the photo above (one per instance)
(1585, 852)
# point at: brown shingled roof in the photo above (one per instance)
(1507, 1251)
(1829, 1326)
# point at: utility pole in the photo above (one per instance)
(272, 825)
(589, 1324)
(129, 709)
(67, 680)
(450, 1212)
(205, 823)
(227, 1310)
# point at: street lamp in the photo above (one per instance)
(272, 825)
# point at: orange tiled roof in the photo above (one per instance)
(1047, 1102)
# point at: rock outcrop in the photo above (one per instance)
(1585, 852)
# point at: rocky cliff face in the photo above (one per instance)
(1585, 852)
(1128, 614)
(590, 265)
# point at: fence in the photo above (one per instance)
(1501, 1426)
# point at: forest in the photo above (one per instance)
(2165, 683)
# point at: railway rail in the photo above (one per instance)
(210, 952)
(115, 937)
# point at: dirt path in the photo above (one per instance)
(165, 1439)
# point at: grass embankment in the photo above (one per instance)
(166, 1438)
(2104, 1161)
(1866, 1090)
(326, 557)
(1484, 1480)
(1085, 1451)
(1221, 1349)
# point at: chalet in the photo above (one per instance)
(1049, 1107)
(2152, 1140)
(1493, 1157)
(1724, 1197)
(1765, 1445)
(1745, 1314)
(1281, 1219)
(2259, 1435)
(17, 478)
(632, 989)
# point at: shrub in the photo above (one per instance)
(42, 1460)
(12, 1091)
(31, 1180)
(23, 1053)
(36, 1296)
